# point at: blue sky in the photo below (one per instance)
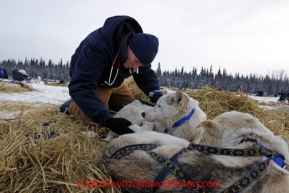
(245, 36)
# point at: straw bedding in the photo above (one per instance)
(8, 87)
(56, 84)
(42, 151)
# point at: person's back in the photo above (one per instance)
(101, 63)
(104, 43)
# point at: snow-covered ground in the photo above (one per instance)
(44, 93)
(58, 95)
(264, 99)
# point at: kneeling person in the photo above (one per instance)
(99, 66)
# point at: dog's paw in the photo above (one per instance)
(136, 128)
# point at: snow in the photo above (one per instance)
(44, 93)
(264, 99)
(59, 94)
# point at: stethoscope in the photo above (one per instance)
(109, 83)
(111, 69)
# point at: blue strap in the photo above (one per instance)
(277, 158)
(279, 161)
(184, 119)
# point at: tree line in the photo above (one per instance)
(270, 84)
(35, 68)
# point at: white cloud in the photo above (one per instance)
(245, 36)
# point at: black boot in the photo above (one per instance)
(63, 108)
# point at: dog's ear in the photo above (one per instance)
(167, 91)
(209, 126)
(180, 98)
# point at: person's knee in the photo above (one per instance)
(77, 113)
(72, 108)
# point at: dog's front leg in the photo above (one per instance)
(152, 137)
(136, 128)
(149, 126)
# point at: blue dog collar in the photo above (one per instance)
(184, 119)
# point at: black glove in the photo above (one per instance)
(118, 125)
(154, 97)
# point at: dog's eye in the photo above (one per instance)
(168, 101)
(159, 105)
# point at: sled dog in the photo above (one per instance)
(231, 159)
(175, 113)
(180, 114)
(132, 112)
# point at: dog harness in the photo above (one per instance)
(169, 165)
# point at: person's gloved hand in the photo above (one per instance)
(118, 125)
(154, 96)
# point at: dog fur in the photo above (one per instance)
(174, 106)
(132, 112)
(170, 108)
(226, 130)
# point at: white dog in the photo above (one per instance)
(175, 113)
(180, 114)
(135, 164)
(132, 112)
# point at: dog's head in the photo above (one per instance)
(170, 107)
(232, 128)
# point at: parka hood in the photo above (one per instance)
(116, 26)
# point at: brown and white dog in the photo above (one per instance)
(136, 170)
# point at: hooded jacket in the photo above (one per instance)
(92, 62)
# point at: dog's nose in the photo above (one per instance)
(143, 114)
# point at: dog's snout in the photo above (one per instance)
(143, 114)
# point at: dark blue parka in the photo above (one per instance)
(92, 61)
